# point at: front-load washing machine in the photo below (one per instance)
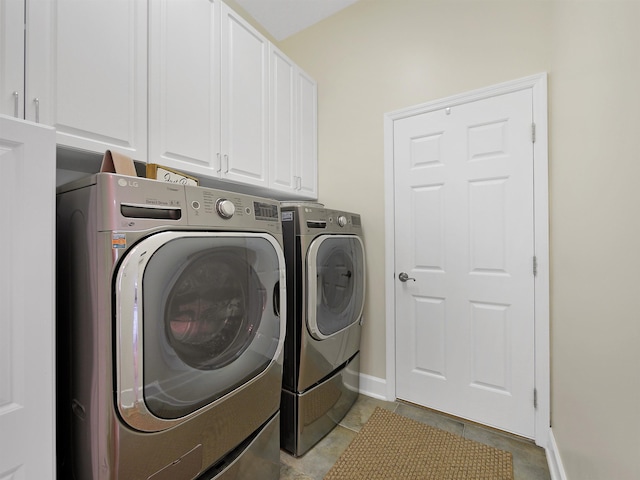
(325, 261)
(170, 331)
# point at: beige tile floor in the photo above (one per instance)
(529, 461)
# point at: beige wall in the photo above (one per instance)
(382, 55)
(595, 231)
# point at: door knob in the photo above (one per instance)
(403, 277)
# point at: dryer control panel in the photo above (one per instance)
(313, 219)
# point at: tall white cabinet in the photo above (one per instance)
(27, 358)
(82, 70)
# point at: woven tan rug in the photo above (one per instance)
(391, 446)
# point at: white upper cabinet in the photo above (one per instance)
(12, 58)
(222, 102)
(208, 91)
(283, 123)
(184, 85)
(307, 123)
(244, 101)
(86, 73)
(293, 147)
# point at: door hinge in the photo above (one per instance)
(535, 398)
(533, 133)
(535, 266)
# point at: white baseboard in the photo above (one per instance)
(553, 459)
(373, 387)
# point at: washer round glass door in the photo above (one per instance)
(335, 266)
(198, 317)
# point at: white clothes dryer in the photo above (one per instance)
(170, 331)
(325, 261)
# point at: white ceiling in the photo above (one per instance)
(282, 18)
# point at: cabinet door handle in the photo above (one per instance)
(226, 163)
(298, 183)
(16, 104)
(219, 163)
(37, 103)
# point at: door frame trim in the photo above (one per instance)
(538, 85)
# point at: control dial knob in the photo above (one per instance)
(342, 220)
(225, 208)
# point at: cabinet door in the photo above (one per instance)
(12, 58)
(307, 137)
(184, 85)
(244, 101)
(27, 377)
(86, 72)
(282, 108)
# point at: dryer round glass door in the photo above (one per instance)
(210, 320)
(336, 274)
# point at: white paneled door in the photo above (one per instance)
(27, 416)
(464, 212)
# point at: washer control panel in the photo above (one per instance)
(223, 209)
